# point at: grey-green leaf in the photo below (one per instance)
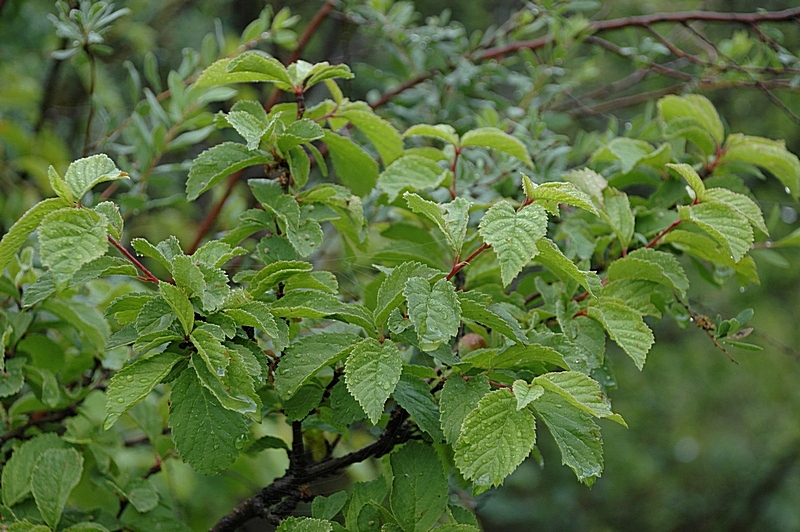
(69, 238)
(496, 139)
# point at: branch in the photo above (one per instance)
(148, 276)
(212, 215)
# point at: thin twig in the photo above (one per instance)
(148, 276)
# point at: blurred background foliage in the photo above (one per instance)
(711, 445)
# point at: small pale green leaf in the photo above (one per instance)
(495, 438)
(250, 120)
(59, 186)
(451, 218)
(322, 71)
(355, 168)
(625, 326)
(724, 223)
(371, 372)
(444, 132)
(300, 132)
(380, 133)
(769, 154)
(589, 182)
(330, 506)
(390, 292)
(274, 273)
(526, 393)
(180, 304)
(57, 471)
(696, 107)
(551, 257)
(419, 487)
(210, 350)
(411, 172)
(204, 432)
(558, 192)
(262, 66)
(414, 395)
(629, 152)
(305, 357)
(617, 212)
(69, 238)
(26, 225)
(513, 235)
(112, 214)
(218, 162)
(146, 249)
(692, 177)
(668, 272)
(496, 139)
(16, 478)
(218, 74)
(255, 314)
(304, 524)
(436, 311)
(82, 175)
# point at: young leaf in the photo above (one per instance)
(744, 205)
(419, 487)
(254, 314)
(526, 393)
(304, 524)
(135, 381)
(496, 139)
(380, 133)
(665, 268)
(328, 507)
(697, 109)
(355, 168)
(495, 438)
(250, 120)
(589, 182)
(411, 172)
(557, 193)
(513, 235)
(436, 312)
(551, 257)
(579, 391)
(24, 226)
(725, 225)
(56, 473)
(322, 71)
(371, 372)
(414, 395)
(451, 218)
(82, 175)
(299, 132)
(492, 316)
(59, 186)
(180, 304)
(305, 357)
(69, 238)
(444, 132)
(261, 67)
(624, 326)
(692, 177)
(390, 293)
(218, 162)
(204, 432)
(617, 212)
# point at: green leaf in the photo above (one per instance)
(305, 357)
(617, 212)
(250, 120)
(146, 249)
(211, 351)
(156, 315)
(330, 506)
(135, 381)
(371, 372)
(692, 177)
(705, 248)
(625, 326)
(495, 438)
(218, 74)
(272, 274)
(300, 132)
(262, 67)
(419, 487)
(17, 471)
(414, 395)
(411, 172)
(444, 132)
(355, 168)
(576, 434)
(492, 316)
(322, 71)
(24, 226)
(255, 314)
(551, 257)
(513, 235)
(142, 495)
(215, 253)
(83, 174)
(741, 203)
(496, 139)
(299, 166)
(725, 225)
(304, 524)
(56, 473)
(304, 401)
(436, 312)
(451, 218)
(85, 318)
(112, 214)
(526, 393)
(697, 108)
(629, 152)
(580, 392)
(59, 186)
(380, 133)
(205, 433)
(218, 162)
(180, 304)
(69, 238)
(558, 192)
(11, 378)
(390, 292)
(589, 182)
(771, 155)
(651, 265)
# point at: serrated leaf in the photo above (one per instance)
(112, 214)
(274, 273)
(262, 67)
(451, 218)
(59, 186)
(211, 351)
(419, 487)
(525, 393)
(146, 249)
(551, 257)
(255, 314)
(588, 181)
(69, 238)
(305, 357)
(371, 373)
(558, 192)
(705, 248)
(671, 272)
(156, 315)
(12, 378)
(725, 225)
(769, 154)
(617, 212)
(576, 434)
(204, 432)
(308, 397)
(215, 253)
(17, 471)
(496, 139)
(218, 162)
(435, 311)
(492, 316)
(250, 120)
(744, 205)
(513, 235)
(299, 132)
(390, 292)
(180, 304)
(517, 356)
(82, 175)
(380, 133)
(56, 473)
(579, 391)
(26, 225)
(322, 71)
(692, 177)
(625, 326)
(354, 167)
(414, 395)
(444, 132)
(411, 172)
(135, 381)
(697, 108)
(304, 524)
(495, 438)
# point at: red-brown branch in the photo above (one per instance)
(148, 276)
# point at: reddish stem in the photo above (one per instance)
(149, 277)
(460, 265)
(660, 235)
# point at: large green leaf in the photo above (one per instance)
(218, 162)
(435, 311)
(625, 326)
(496, 139)
(263, 65)
(741, 203)
(82, 175)
(724, 223)
(414, 395)
(411, 172)
(17, 471)
(419, 487)
(56, 473)
(205, 434)
(444, 132)
(26, 225)
(513, 235)
(579, 391)
(305, 357)
(218, 73)
(355, 168)
(551, 256)
(692, 177)
(766, 153)
(697, 109)
(69, 238)
(380, 133)
(495, 438)
(371, 372)
(651, 265)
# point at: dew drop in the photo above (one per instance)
(216, 446)
(143, 380)
(742, 289)
(120, 400)
(787, 190)
(129, 378)
(220, 371)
